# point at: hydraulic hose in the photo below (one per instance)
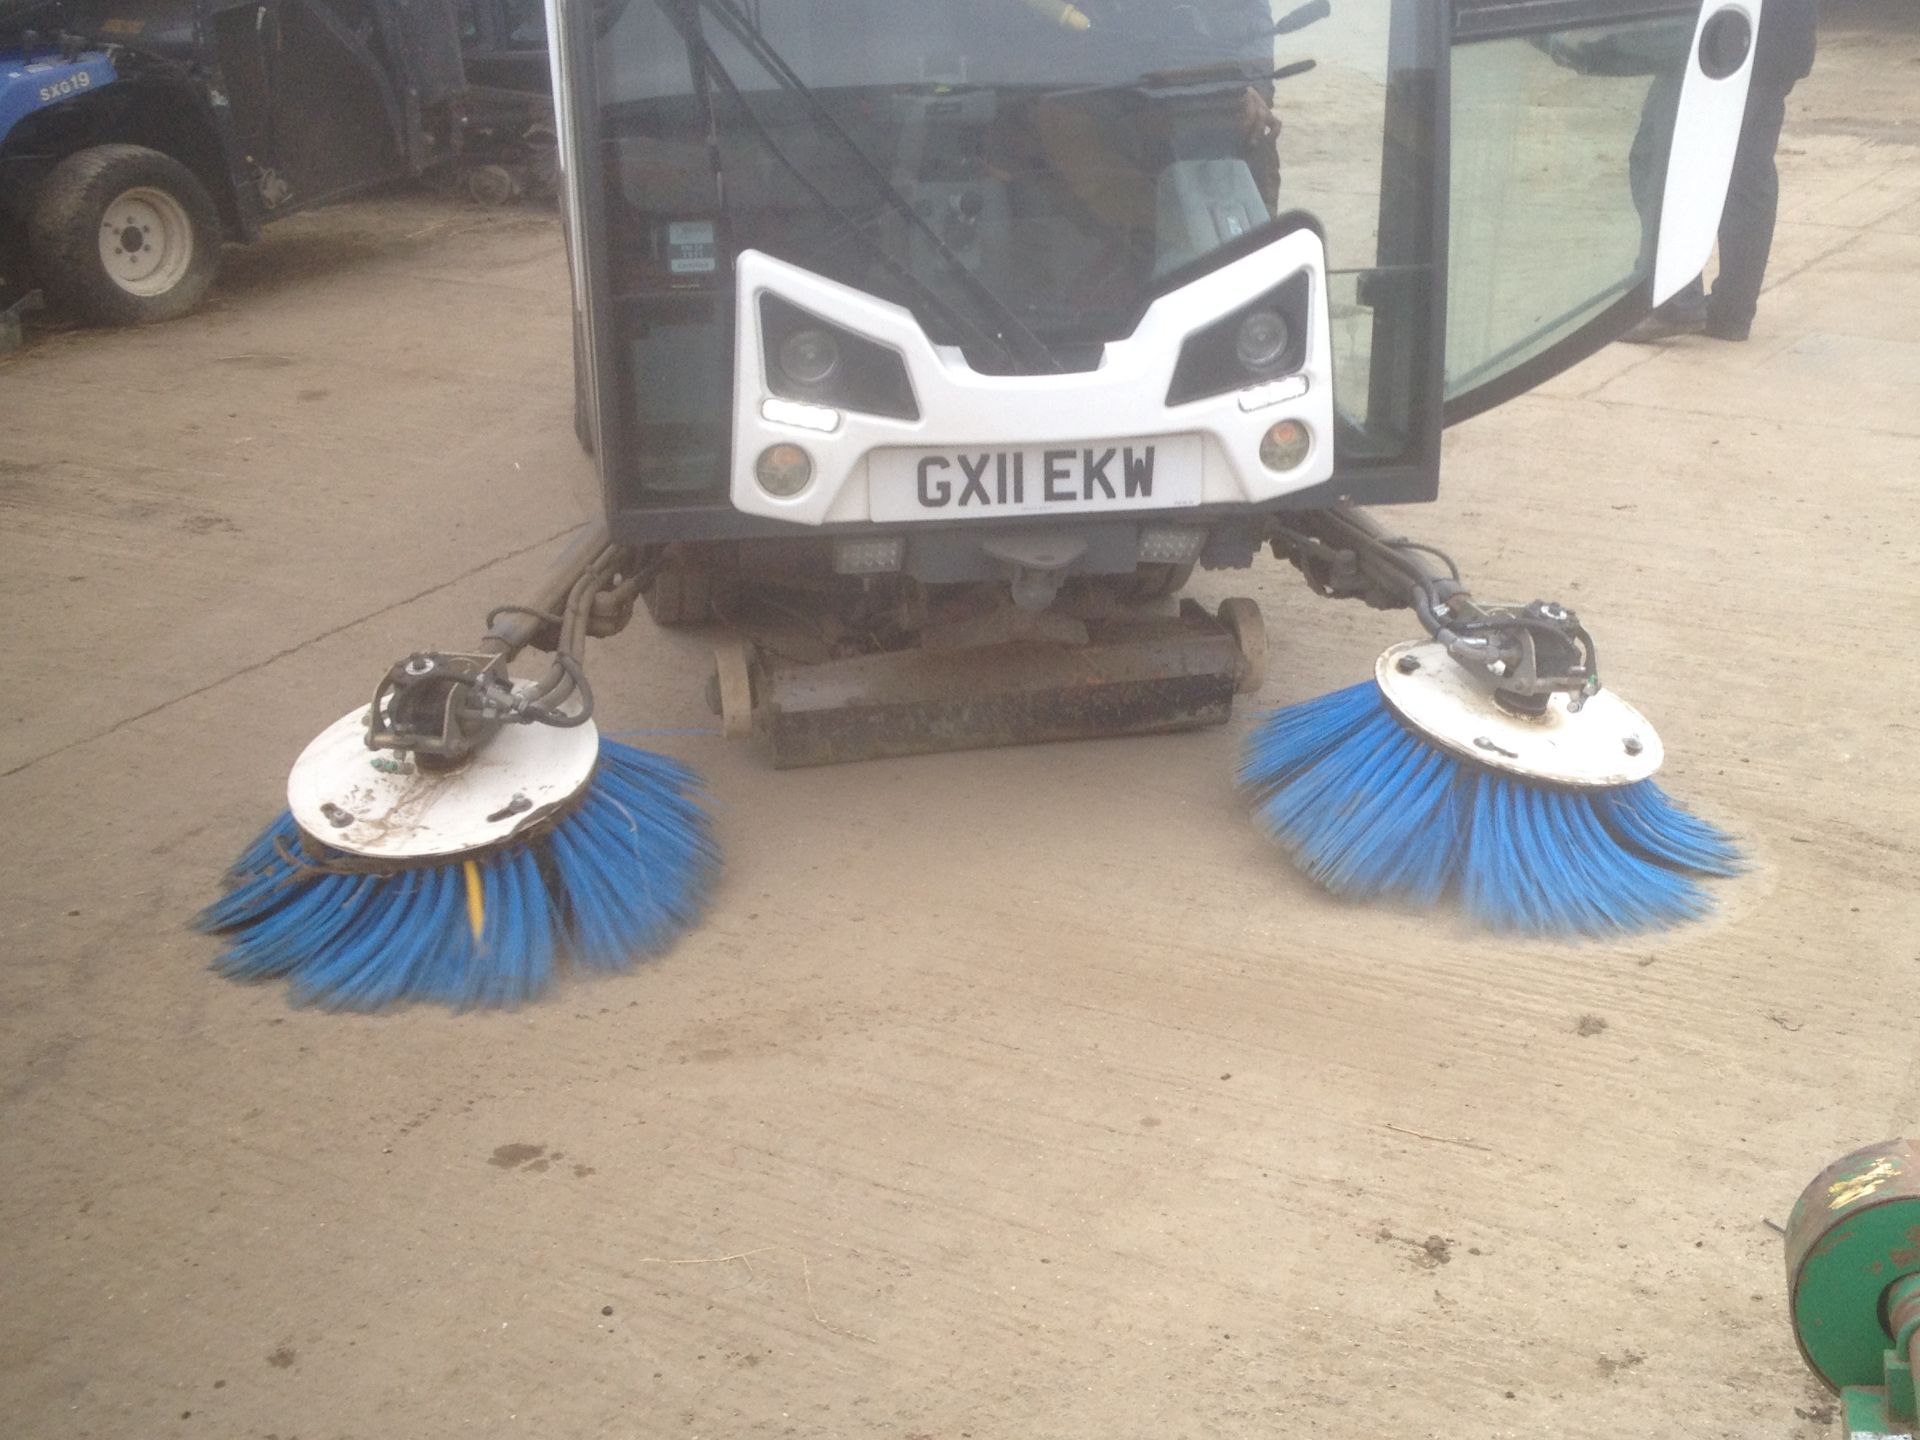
(1396, 566)
(1437, 597)
(513, 628)
(444, 707)
(1529, 652)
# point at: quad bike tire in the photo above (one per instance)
(123, 235)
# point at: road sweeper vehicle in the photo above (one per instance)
(931, 345)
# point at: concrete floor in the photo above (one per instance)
(1018, 1093)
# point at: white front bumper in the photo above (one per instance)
(963, 409)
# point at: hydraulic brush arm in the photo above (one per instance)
(1528, 653)
(442, 708)
(512, 629)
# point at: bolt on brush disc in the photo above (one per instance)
(380, 804)
(1605, 743)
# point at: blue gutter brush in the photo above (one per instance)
(1419, 785)
(611, 878)
(463, 835)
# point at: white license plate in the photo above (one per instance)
(1154, 473)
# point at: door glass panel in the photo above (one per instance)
(1559, 159)
(1356, 151)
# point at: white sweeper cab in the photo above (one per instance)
(942, 339)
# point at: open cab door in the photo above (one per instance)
(1591, 143)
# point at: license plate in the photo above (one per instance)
(1154, 473)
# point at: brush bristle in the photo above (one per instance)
(1368, 808)
(613, 881)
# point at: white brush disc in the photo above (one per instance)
(378, 803)
(1606, 742)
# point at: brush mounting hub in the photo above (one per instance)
(1606, 742)
(385, 805)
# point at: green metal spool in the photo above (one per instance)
(1854, 1232)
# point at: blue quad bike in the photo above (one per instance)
(137, 136)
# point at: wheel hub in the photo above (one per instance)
(146, 241)
(1853, 1258)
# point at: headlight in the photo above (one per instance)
(810, 357)
(1254, 345)
(819, 363)
(1262, 341)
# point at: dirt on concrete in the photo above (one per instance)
(1018, 1093)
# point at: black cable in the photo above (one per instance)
(551, 714)
(540, 615)
(1433, 550)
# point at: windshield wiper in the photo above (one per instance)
(1225, 73)
(1012, 331)
(1299, 18)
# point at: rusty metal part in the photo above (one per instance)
(1136, 676)
(1853, 1233)
(1006, 625)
